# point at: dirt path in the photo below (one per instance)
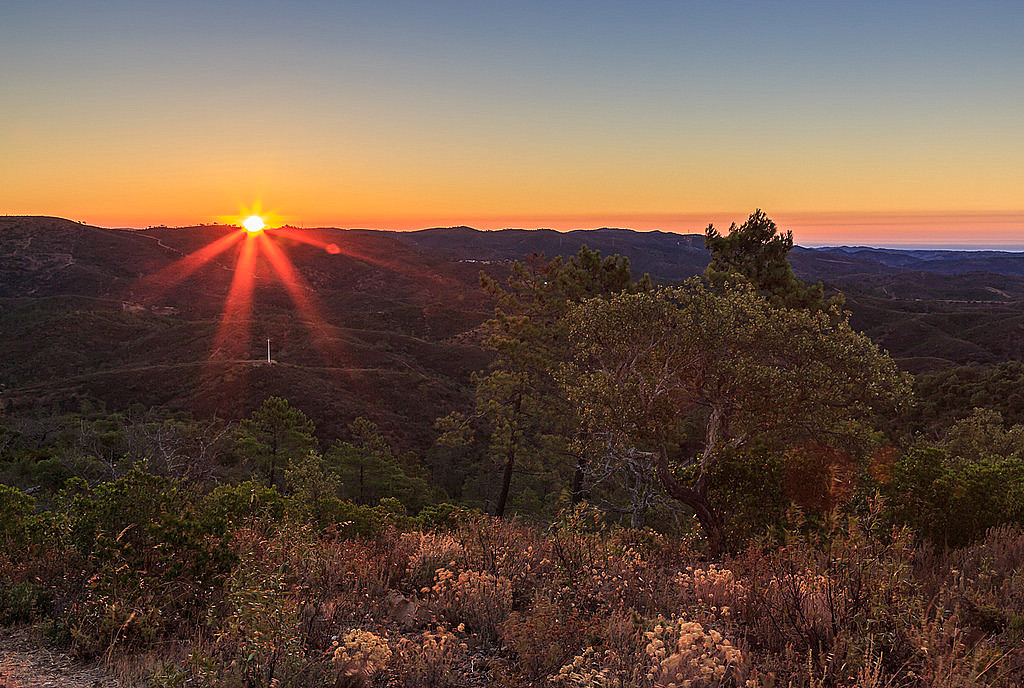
(26, 663)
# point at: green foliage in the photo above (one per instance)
(43, 452)
(521, 419)
(308, 478)
(368, 470)
(248, 500)
(151, 560)
(649, 367)
(275, 434)
(260, 620)
(443, 517)
(20, 530)
(749, 484)
(952, 492)
(34, 468)
(756, 251)
(949, 395)
(16, 515)
(19, 602)
(369, 521)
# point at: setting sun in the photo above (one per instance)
(254, 223)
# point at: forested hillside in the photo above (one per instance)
(118, 317)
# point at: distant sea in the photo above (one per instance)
(1003, 248)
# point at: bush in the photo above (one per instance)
(443, 516)
(234, 505)
(19, 602)
(431, 660)
(478, 599)
(547, 635)
(150, 562)
(16, 517)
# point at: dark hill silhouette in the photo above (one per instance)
(100, 314)
(665, 256)
(109, 315)
(929, 308)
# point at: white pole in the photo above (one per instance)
(268, 349)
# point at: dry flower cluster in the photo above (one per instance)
(714, 588)
(431, 659)
(683, 654)
(481, 600)
(361, 653)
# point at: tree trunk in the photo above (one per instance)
(638, 501)
(506, 480)
(510, 460)
(697, 499)
(577, 495)
(273, 460)
(711, 522)
(637, 515)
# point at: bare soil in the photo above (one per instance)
(25, 662)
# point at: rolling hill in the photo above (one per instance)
(381, 324)
(931, 309)
(110, 316)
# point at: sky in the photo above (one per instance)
(879, 123)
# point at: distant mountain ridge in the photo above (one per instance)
(929, 308)
(663, 255)
(102, 315)
(85, 313)
(670, 257)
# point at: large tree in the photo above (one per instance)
(651, 366)
(521, 415)
(369, 470)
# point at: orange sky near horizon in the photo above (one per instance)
(1000, 230)
(876, 124)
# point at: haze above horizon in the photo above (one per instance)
(858, 123)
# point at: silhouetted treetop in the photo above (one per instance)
(757, 250)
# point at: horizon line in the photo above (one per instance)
(1005, 244)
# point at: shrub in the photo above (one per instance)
(234, 505)
(546, 635)
(20, 601)
(431, 552)
(685, 653)
(16, 517)
(149, 564)
(430, 660)
(442, 517)
(831, 596)
(713, 590)
(479, 599)
(258, 639)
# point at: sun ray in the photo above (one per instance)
(232, 337)
(304, 300)
(160, 281)
(343, 247)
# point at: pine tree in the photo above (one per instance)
(757, 251)
(521, 415)
(274, 435)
